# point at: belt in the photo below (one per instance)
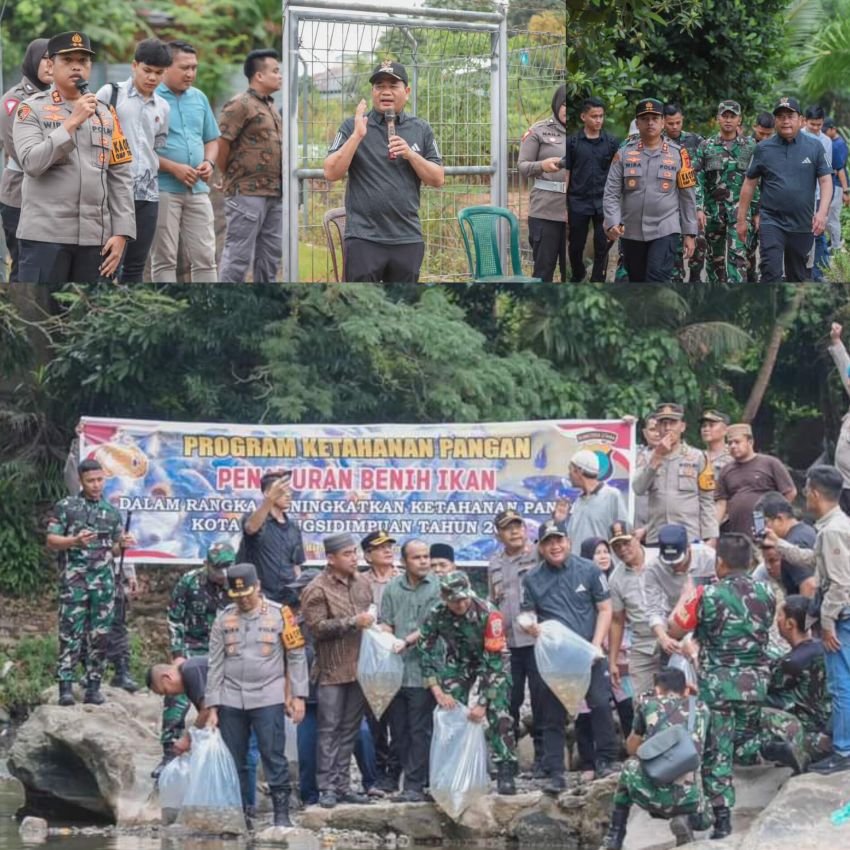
(551, 186)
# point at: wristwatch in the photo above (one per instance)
(212, 164)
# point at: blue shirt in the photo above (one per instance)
(839, 158)
(191, 125)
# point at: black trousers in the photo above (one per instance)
(548, 240)
(844, 501)
(524, 669)
(653, 261)
(118, 639)
(779, 247)
(49, 262)
(136, 252)
(374, 262)
(387, 757)
(11, 216)
(269, 725)
(579, 227)
(554, 721)
(411, 716)
(584, 733)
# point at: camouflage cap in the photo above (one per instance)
(729, 106)
(455, 586)
(221, 555)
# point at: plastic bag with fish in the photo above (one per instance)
(380, 668)
(458, 763)
(684, 663)
(172, 785)
(564, 660)
(212, 803)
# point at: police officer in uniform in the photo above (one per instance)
(36, 76)
(257, 675)
(540, 152)
(649, 200)
(77, 210)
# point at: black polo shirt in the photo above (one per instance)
(194, 672)
(568, 594)
(274, 550)
(588, 161)
(382, 196)
(789, 174)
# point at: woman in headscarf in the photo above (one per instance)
(37, 75)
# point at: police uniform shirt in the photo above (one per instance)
(72, 195)
(382, 195)
(13, 174)
(789, 171)
(642, 193)
(543, 140)
(568, 594)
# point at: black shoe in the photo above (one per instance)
(681, 829)
(538, 771)
(505, 784)
(280, 806)
(93, 696)
(722, 823)
(123, 680)
(782, 752)
(356, 799)
(66, 693)
(617, 830)
(387, 784)
(410, 795)
(603, 769)
(328, 800)
(167, 755)
(832, 764)
(250, 817)
(555, 784)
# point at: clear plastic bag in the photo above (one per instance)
(290, 749)
(212, 802)
(172, 785)
(458, 763)
(564, 660)
(380, 669)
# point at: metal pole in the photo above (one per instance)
(2, 149)
(415, 44)
(498, 123)
(384, 21)
(424, 11)
(289, 96)
(304, 212)
(451, 171)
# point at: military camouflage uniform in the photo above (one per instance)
(456, 661)
(87, 584)
(733, 626)
(685, 795)
(690, 142)
(195, 602)
(721, 169)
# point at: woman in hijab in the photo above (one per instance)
(37, 75)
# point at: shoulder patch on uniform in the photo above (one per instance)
(616, 157)
(525, 135)
(23, 112)
(686, 178)
(10, 105)
(57, 98)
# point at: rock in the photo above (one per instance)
(419, 821)
(6, 669)
(96, 759)
(298, 839)
(33, 830)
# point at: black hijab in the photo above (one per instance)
(558, 100)
(29, 67)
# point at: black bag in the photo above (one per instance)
(671, 753)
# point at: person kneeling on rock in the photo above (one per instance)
(682, 800)
(257, 675)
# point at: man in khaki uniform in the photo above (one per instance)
(77, 209)
(675, 478)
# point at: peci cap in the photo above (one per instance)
(619, 532)
(550, 528)
(668, 410)
(714, 416)
(305, 577)
(504, 518)
(68, 42)
(375, 539)
(672, 544)
(586, 461)
(740, 430)
(336, 542)
(729, 106)
(442, 550)
(455, 586)
(241, 580)
(787, 103)
(389, 68)
(221, 555)
(649, 106)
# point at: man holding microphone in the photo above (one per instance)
(387, 155)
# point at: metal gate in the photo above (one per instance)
(457, 62)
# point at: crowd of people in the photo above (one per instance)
(96, 184)
(735, 206)
(718, 610)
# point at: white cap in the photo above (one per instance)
(587, 461)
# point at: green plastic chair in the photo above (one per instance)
(482, 223)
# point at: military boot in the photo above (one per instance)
(122, 678)
(66, 693)
(722, 822)
(168, 753)
(280, 807)
(782, 752)
(93, 696)
(617, 830)
(505, 779)
(681, 829)
(250, 817)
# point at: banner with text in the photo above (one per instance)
(190, 484)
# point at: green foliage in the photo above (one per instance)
(23, 564)
(34, 660)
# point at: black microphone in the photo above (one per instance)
(82, 86)
(389, 118)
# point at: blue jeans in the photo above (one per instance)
(308, 732)
(838, 681)
(821, 257)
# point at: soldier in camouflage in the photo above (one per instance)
(721, 164)
(463, 640)
(731, 621)
(87, 532)
(683, 801)
(196, 600)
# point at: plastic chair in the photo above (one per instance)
(334, 221)
(483, 224)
